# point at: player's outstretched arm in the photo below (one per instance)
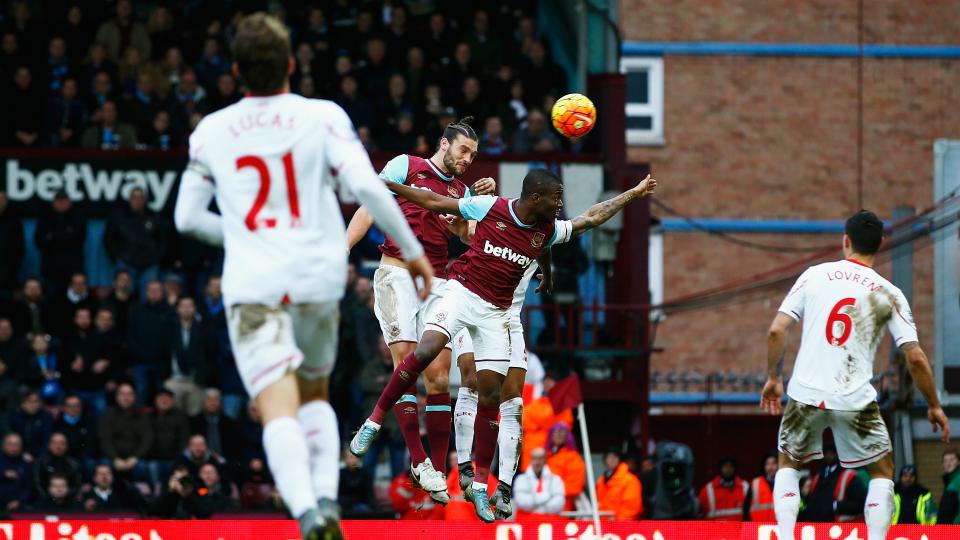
(599, 213)
(919, 368)
(427, 199)
(358, 227)
(192, 215)
(545, 262)
(776, 349)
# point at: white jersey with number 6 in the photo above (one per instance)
(845, 306)
(274, 163)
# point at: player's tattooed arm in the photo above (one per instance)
(545, 261)
(772, 394)
(427, 199)
(601, 212)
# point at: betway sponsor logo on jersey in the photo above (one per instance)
(82, 182)
(506, 254)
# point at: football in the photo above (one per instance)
(573, 115)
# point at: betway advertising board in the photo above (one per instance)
(381, 530)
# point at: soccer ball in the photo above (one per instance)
(573, 115)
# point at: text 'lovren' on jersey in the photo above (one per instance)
(845, 306)
(502, 249)
(428, 226)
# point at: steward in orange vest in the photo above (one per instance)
(723, 498)
(760, 498)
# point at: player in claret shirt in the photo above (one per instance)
(510, 235)
(401, 314)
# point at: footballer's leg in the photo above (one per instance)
(263, 343)
(510, 439)
(315, 328)
(465, 413)
(438, 414)
(486, 429)
(862, 439)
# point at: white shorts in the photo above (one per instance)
(490, 328)
(269, 341)
(861, 437)
(397, 306)
(463, 344)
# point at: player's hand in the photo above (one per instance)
(421, 268)
(485, 186)
(771, 396)
(646, 186)
(546, 285)
(938, 419)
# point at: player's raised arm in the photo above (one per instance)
(358, 227)
(601, 212)
(427, 199)
(192, 214)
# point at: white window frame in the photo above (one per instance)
(653, 66)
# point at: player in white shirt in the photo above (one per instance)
(845, 306)
(273, 161)
(509, 440)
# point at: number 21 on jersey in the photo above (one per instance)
(838, 336)
(257, 163)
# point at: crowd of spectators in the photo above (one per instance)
(123, 75)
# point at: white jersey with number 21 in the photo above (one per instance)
(276, 161)
(845, 306)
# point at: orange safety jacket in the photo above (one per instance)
(761, 501)
(723, 504)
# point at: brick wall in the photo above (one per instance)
(776, 137)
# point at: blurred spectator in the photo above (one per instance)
(146, 339)
(539, 421)
(397, 102)
(33, 424)
(317, 34)
(759, 502)
(565, 462)
(950, 501)
(162, 33)
(109, 133)
(108, 345)
(250, 438)
(619, 491)
(375, 73)
(172, 289)
(30, 313)
(402, 139)
(459, 70)
(187, 497)
(219, 429)
(58, 65)
(534, 136)
(172, 67)
(356, 486)
(136, 238)
(123, 31)
(101, 91)
(376, 372)
(9, 391)
(26, 119)
(438, 42)
(65, 117)
(516, 110)
(126, 435)
(57, 462)
(16, 475)
(913, 502)
(356, 108)
(541, 76)
(226, 93)
(60, 235)
(305, 65)
(472, 103)
(211, 64)
(57, 498)
(11, 56)
(484, 43)
(415, 75)
(492, 141)
(77, 296)
(128, 69)
(160, 135)
(190, 347)
(411, 502)
(197, 454)
(85, 370)
(648, 483)
(307, 88)
(835, 493)
(171, 429)
(356, 39)
(79, 430)
(192, 96)
(95, 64)
(21, 24)
(537, 490)
(42, 370)
(397, 36)
(723, 498)
(109, 494)
(363, 133)
(11, 245)
(140, 107)
(120, 300)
